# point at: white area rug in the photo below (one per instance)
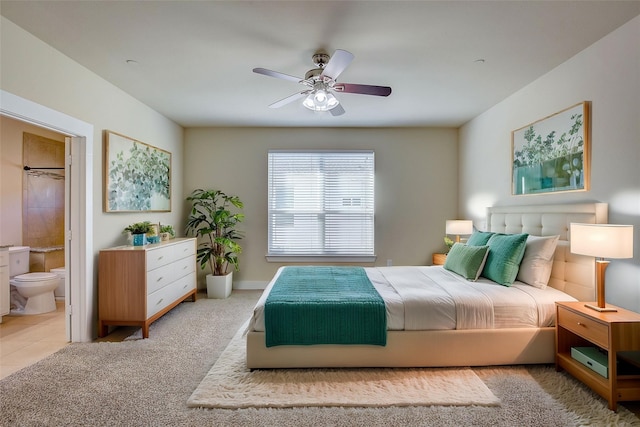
(229, 384)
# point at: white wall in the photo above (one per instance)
(607, 74)
(416, 184)
(35, 71)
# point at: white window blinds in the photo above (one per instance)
(321, 203)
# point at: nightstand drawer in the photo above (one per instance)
(583, 326)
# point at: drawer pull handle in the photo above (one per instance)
(160, 279)
(581, 324)
(159, 302)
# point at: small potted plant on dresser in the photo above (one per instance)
(213, 219)
(138, 231)
(167, 232)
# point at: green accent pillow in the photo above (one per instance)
(505, 254)
(479, 238)
(467, 261)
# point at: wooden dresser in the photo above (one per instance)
(139, 284)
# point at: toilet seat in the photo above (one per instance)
(35, 277)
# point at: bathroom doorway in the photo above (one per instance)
(78, 208)
(33, 205)
(33, 211)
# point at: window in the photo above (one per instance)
(321, 204)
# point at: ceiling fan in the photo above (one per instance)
(321, 83)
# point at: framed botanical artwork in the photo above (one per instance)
(552, 154)
(137, 176)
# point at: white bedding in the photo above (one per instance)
(431, 298)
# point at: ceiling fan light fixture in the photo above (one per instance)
(320, 100)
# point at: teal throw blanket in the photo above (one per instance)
(324, 305)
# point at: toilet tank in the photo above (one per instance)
(18, 260)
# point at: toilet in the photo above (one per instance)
(31, 293)
(61, 272)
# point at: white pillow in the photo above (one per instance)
(535, 268)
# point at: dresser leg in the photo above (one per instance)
(145, 330)
(102, 330)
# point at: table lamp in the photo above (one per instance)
(601, 241)
(458, 227)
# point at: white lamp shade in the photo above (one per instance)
(459, 226)
(602, 240)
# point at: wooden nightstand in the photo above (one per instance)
(439, 259)
(579, 326)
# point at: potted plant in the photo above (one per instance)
(138, 231)
(167, 232)
(213, 221)
(152, 235)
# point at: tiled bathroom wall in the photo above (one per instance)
(43, 192)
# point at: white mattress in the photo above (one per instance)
(432, 298)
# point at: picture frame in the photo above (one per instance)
(553, 154)
(137, 176)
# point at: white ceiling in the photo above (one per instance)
(194, 59)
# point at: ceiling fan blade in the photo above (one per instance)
(277, 74)
(337, 110)
(362, 89)
(337, 64)
(289, 99)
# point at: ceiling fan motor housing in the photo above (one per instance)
(320, 59)
(313, 74)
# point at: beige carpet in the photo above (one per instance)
(229, 384)
(146, 382)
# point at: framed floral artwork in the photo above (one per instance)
(137, 176)
(552, 154)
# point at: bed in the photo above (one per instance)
(495, 343)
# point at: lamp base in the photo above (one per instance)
(600, 309)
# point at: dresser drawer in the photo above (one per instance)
(589, 329)
(162, 276)
(169, 294)
(184, 266)
(168, 254)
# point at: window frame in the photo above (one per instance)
(318, 257)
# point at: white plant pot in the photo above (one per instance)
(219, 286)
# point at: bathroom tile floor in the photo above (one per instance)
(26, 339)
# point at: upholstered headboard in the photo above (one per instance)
(573, 274)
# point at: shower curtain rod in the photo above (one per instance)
(27, 168)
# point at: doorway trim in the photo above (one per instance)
(79, 233)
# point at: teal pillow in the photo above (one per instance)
(467, 261)
(505, 254)
(479, 238)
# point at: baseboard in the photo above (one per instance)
(249, 285)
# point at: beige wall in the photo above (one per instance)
(607, 74)
(416, 184)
